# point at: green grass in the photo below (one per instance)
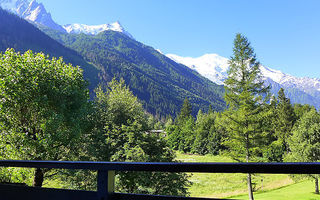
(299, 191)
(227, 185)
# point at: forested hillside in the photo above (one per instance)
(160, 83)
(19, 34)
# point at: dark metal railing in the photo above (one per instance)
(106, 174)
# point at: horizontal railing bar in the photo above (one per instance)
(273, 168)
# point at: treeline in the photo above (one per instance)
(45, 114)
(199, 135)
(206, 133)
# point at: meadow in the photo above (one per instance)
(267, 186)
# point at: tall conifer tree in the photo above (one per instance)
(185, 111)
(285, 119)
(245, 96)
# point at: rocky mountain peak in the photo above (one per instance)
(36, 12)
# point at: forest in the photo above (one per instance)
(46, 114)
(151, 75)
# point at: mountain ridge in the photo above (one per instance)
(36, 13)
(30, 37)
(214, 67)
(211, 66)
(161, 83)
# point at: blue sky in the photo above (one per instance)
(284, 33)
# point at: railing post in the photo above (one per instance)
(105, 184)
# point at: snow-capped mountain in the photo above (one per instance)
(211, 66)
(36, 12)
(214, 67)
(14, 6)
(95, 29)
(31, 11)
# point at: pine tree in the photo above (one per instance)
(245, 96)
(201, 134)
(185, 111)
(180, 135)
(285, 119)
(207, 138)
(274, 151)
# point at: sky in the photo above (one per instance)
(285, 34)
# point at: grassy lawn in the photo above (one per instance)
(268, 186)
(298, 191)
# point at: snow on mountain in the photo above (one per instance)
(214, 67)
(211, 66)
(36, 12)
(95, 29)
(308, 85)
(31, 11)
(11, 5)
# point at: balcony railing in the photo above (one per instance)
(106, 173)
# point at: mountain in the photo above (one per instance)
(300, 90)
(31, 11)
(122, 56)
(21, 35)
(159, 82)
(35, 12)
(95, 29)
(211, 66)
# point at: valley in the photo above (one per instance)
(96, 93)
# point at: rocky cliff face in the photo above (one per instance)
(31, 11)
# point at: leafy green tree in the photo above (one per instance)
(181, 133)
(168, 122)
(43, 106)
(187, 135)
(120, 133)
(244, 95)
(305, 142)
(273, 151)
(300, 109)
(201, 135)
(280, 121)
(207, 137)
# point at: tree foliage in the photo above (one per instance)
(245, 96)
(181, 133)
(21, 35)
(305, 142)
(284, 120)
(43, 104)
(120, 132)
(207, 134)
